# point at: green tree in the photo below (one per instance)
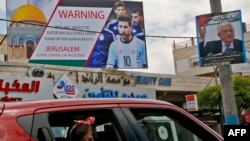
(242, 92)
(210, 97)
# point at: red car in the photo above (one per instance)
(115, 120)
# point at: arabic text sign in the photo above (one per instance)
(108, 91)
(25, 88)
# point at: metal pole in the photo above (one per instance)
(227, 90)
(215, 6)
(215, 75)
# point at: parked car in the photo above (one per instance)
(115, 120)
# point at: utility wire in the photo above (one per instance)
(153, 36)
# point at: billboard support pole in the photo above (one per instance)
(227, 90)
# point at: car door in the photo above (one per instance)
(53, 124)
(167, 123)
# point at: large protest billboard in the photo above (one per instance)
(77, 33)
(220, 38)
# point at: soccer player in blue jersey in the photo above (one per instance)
(137, 23)
(119, 10)
(128, 51)
(100, 53)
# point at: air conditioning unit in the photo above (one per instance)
(3, 57)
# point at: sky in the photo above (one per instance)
(165, 18)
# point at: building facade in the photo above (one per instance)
(167, 87)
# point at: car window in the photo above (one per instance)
(58, 124)
(160, 125)
(60, 131)
(104, 126)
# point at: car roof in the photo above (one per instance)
(79, 101)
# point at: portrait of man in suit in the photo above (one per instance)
(220, 39)
(227, 44)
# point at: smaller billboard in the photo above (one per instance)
(191, 101)
(220, 39)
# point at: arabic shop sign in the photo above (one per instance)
(100, 91)
(65, 88)
(16, 86)
(25, 88)
(109, 93)
(150, 80)
(99, 77)
(124, 80)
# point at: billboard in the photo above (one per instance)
(220, 39)
(77, 33)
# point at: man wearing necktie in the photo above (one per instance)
(227, 49)
(227, 43)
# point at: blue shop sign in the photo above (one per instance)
(148, 80)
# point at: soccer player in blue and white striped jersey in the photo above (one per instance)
(128, 51)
